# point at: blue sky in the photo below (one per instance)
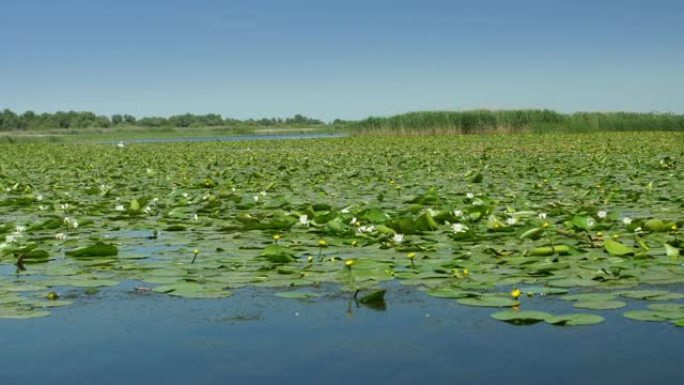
(340, 59)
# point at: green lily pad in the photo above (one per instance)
(297, 295)
(489, 301)
(521, 317)
(192, 290)
(96, 250)
(587, 297)
(667, 307)
(278, 254)
(645, 294)
(617, 248)
(573, 282)
(449, 293)
(542, 290)
(653, 315)
(600, 305)
(575, 319)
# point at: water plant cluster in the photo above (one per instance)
(590, 221)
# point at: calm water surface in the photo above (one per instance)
(122, 337)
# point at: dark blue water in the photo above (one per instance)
(234, 138)
(120, 337)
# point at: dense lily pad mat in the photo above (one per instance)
(470, 219)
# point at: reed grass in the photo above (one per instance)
(514, 121)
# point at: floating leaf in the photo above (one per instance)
(576, 319)
(19, 313)
(600, 305)
(374, 296)
(521, 317)
(573, 282)
(671, 251)
(645, 294)
(278, 254)
(96, 250)
(653, 315)
(489, 301)
(617, 248)
(297, 295)
(587, 297)
(655, 225)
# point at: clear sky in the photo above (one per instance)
(340, 58)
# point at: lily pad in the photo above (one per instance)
(489, 301)
(599, 305)
(521, 317)
(96, 250)
(653, 315)
(575, 319)
(19, 313)
(617, 248)
(297, 295)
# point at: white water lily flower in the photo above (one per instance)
(511, 221)
(185, 195)
(366, 229)
(398, 238)
(637, 229)
(470, 195)
(433, 213)
(353, 221)
(458, 213)
(459, 228)
(11, 238)
(602, 214)
(304, 220)
(20, 229)
(60, 236)
(39, 197)
(42, 207)
(262, 193)
(591, 222)
(345, 210)
(627, 221)
(64, 206)
(119, 208)
(256, 198)
(70, 222)
(120, 144)
(542, 215)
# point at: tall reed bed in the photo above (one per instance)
(514, 121)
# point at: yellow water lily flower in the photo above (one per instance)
(515, 293)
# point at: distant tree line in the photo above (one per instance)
(29, 120)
